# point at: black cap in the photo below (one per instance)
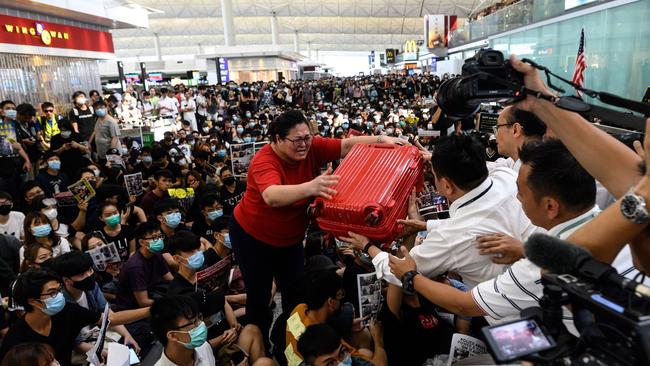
(320, 263)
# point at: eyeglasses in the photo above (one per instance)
(196, 322)
(299, 141)
(154, 237)
(495, 128)
(52, 293)
(343, 353)
(49, 110)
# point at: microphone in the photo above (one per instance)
(559, 256)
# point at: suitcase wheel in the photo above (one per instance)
(373, 218)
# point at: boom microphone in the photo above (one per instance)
(562, 257)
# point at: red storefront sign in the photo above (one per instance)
(28, 32)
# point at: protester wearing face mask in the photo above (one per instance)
(106, 133)
(80, 287)
(212, 218)
(168, 214)
(48, 207)
(114, 231)
(38, 230)
(70, 148)
(49, 319)
(232, 190)
(51, 178)
(82, 116)
(11, 221)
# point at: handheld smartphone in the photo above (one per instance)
(133, 357)
(513, 340)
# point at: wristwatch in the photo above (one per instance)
(366, 248)
(408, 287)
(633, 208)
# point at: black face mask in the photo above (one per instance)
(5, 209)
(86, 284)
(229, 181)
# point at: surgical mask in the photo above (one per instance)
(86, 284)
(196, 260)
(347, 361)
(213, 148)
(198, 336)
(402, 123)
(5, 209)
(248, 115)
(240, 130)
(42, 231)
(147, 159)
(381, 127)
(213, 215)
(221, 153)
(389, 131)
(226, 241)
(54, 305)
(54, 164)
(173, 219)
(430, 126)
(113, 220)
(51, 214)
(206, 129)
(11, 113)
(248, 139)
(66, 134)
(124, 151)
(101, 112)
(345, 125)
(81, 100)
(369, 124)
(156, 245)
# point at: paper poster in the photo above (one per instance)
(104, 255)
(118, 355)
(82, 191)
(95, 353)
(464, 346)
(133, 184)
(241, 155)
(369, 288)
(113, 160)
(216, 276)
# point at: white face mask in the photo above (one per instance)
(81, 100)
(51, 214)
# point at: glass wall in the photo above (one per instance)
(35, 79)
(617, 48)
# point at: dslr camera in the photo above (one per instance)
(486, 77)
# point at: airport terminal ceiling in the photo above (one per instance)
(196, 26)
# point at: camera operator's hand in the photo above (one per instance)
(532, 80)
(503, 248)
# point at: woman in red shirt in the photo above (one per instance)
(268, 227)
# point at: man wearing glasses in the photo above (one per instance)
(49, 124)
(514, 128)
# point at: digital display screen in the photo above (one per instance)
(513, 340)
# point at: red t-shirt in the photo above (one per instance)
(281, 226)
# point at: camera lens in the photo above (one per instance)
(453, 100)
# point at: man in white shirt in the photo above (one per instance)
(11, 222)
(557, 194)
(168, 105)
(201, 107)
(481, 204)
(514, 128)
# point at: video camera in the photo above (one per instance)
(489, 77)
(611, 313)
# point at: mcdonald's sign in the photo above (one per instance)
(411, 46)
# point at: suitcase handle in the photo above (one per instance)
(384, 146)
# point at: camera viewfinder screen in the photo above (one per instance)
(518, 339)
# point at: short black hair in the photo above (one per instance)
(77, 93)
(29, 285)
(5, 102)
(166, 311)
(208, 201)
(146, 228)
(48, 154)
(279, 129)
(225, 168)
(323, 286)
(555, 172)
(6, 195)
(165, 205)
(159, 153)
(71, 264)
(26, 109)
(163, 173)
(185, 241)
(99, 104)
(530, 123)
(318, 340)
(45, 105)
(461, 159)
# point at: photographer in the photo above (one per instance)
(608, 161)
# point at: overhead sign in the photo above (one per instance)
(29, 32)
(390, 56)
(223, 68)
(411, 46)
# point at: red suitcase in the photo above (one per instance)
(373, 192)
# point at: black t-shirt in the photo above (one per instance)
(202, 229)
(175, 169)
(53, 184)
(72, 160)
(66, 326)
(146, 171)
(230, 200)
(85, 120)
(121, 241)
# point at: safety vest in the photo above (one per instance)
(50, 127)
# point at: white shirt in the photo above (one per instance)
(200, 100)
(170, 103)
(63, 247)
(203, 356)
(508, 163)
(520, 287)
(14, 225)
(450, 245)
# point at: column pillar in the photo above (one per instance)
(275, 38)
(296, 46)
(156, 42)
(228, 25)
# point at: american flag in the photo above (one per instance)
(581, 62)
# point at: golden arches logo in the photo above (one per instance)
(411, 46)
